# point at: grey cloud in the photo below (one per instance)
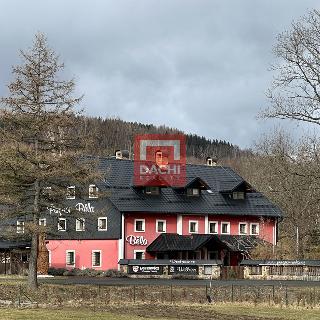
(200, 66)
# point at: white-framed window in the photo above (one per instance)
(139, 225)
(243, 228)
(193, 192)
(71, 192)
(62, 224)
(193, 226)
(161, 226)
(96, 258)
(238, 195)
(93, 191)
(254, 229)
(43, 222)
(225, 227)
(102, 223)
(46, 191)
(20, 226)
(213, 227)
(207, 270)
(80, 224)
(139, 254)
(70, 258)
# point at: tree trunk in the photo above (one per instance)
(33, 262)
(32, 277)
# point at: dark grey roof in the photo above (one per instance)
(174, 242)
(14, 244)
(127, 198)
(240, 243)
(167, 262)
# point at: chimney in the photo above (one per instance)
(118, 154)
(211, 162)
(122, 154)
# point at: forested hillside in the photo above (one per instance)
(111, 134)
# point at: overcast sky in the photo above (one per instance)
(200, 66)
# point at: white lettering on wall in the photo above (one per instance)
(84, 207)
(136, 240)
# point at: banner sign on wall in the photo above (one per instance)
(145, 269)
(184, 269)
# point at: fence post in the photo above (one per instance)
(273, 294)
(232, 293)
(287, 302)
(171, 294)
(134, 293)
(19, 297)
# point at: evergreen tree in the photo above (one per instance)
(39, 153)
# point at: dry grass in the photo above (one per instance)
(140, 311)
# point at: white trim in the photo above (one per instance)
(77, 224)
(71, 197)
(143, 253)
(164, 225)
(44, 220)
(49, 257)
(65, 223)
(92, 252)
(206, 224)
(121, 241)
(143, 225)
(179, 224)
(102, 218)
(246, 224)
(228, 228)
(217, 225)
(74, 258)
(258, 228)
(92, 196)
(20, 225)
(197, 226)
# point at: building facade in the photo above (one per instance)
(216, 215)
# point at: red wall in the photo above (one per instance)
(150, 230)
(265, 227)
(83, 250)
(185, 223)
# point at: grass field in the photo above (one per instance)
(161, 311)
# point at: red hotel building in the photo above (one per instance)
(216, 215)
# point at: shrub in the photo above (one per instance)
(57, 271)
(114, 273)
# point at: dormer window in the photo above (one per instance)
(238, 195)
(193, 192)
(152, 190)
(93, 191)
(71, 192)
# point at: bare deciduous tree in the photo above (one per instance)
(288, 173)
(295, 93)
